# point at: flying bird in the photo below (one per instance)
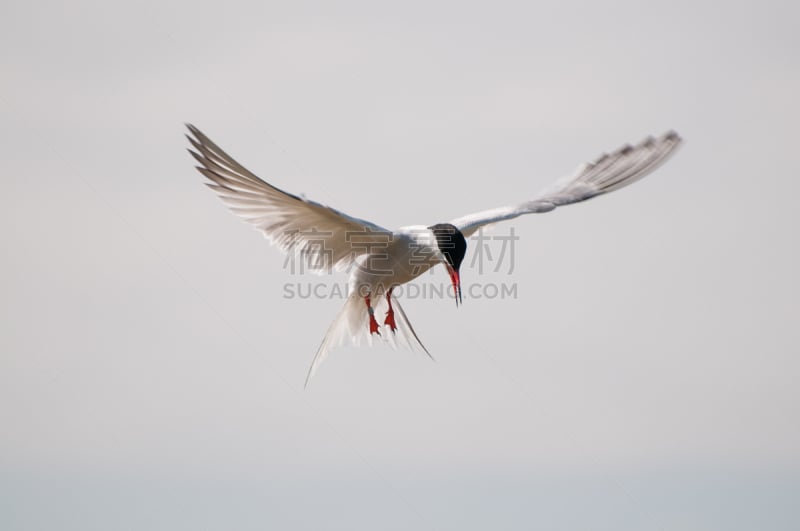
(380, 259)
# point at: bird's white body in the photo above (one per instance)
(381, 259)
(409, 252)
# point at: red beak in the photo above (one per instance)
(456, 280)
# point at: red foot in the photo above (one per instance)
(373, 324)
(389, 321)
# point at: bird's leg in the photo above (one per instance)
(389, 321)
(373, 324)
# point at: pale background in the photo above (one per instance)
(151, 371)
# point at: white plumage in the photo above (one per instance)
(381, 259)
(624, 166)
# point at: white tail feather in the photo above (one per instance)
(351, 326)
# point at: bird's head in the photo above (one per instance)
(453, 246)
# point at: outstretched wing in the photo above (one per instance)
(323, 236)
(609, 172)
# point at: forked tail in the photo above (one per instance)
(351, 326)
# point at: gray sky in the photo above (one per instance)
(151, 367)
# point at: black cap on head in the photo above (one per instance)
(453, 246)
(451, 243)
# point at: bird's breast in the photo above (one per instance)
(406, 256)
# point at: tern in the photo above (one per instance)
(379, 259)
